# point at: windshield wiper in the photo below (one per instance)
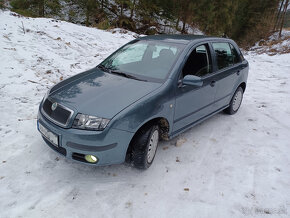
(112, 71)
(125, 75)
(102, 67)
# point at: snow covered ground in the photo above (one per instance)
(228, 166)
(274, 44)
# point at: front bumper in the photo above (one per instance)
(109, 146)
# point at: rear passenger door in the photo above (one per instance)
(228, 66)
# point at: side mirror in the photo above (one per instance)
(192, 80)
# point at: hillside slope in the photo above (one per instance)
(228, 166)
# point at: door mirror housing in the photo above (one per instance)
(192, 80)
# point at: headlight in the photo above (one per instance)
(83, 121)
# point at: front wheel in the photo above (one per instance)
(235, 102)
(144, 147)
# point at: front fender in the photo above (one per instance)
(159, 103)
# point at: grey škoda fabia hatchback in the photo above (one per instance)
(152, 88)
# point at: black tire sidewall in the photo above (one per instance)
(141, 147)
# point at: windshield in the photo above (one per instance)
(145, 60)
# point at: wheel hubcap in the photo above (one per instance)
(237, 100)
(152, 146)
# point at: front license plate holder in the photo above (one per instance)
(50, 136)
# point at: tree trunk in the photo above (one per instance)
(278, 16)
(177, 22)
(122, 6)
(283, 17)
(87, 17)
(132, 9)
(183, 27)
(41, 8)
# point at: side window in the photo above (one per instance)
(241, 56)
(236, 56)
(223, 54)
(199, 62)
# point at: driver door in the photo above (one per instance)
(195, 103)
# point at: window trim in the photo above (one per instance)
(216, 70)
(239, 55)
(188, 55)
(214, 52)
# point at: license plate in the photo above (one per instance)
(53, 138)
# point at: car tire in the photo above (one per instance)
(236, 102)
(144, 146)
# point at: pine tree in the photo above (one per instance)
(244, 20)
(147, 10)
(2, 4)
(39, 8)
(89, 7)
(254, 20)
(216, 16)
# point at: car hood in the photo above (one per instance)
(100, 93)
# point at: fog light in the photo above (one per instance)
(91, 158)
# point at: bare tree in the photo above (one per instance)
(283, 17)
(278, 16)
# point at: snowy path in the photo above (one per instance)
(228, 166)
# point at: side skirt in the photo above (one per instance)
(176, 133)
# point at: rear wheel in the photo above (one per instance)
(235, 102)
(144, 146)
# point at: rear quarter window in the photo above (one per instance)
(226, 54)
(236, 56)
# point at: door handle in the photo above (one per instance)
(212, 84)
(238, 72)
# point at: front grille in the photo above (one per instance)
(57, 149)
(60, 115)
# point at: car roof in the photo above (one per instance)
(183, 39)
